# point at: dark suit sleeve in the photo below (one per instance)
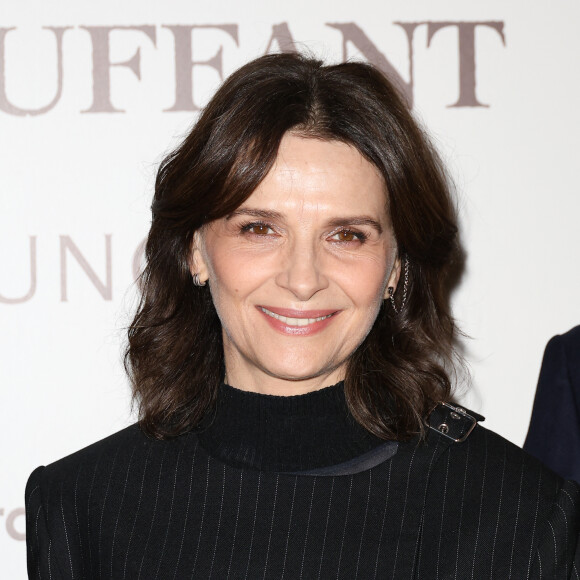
(558, 551)
(40, 551)
(554, 433)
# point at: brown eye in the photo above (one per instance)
(260, 229)
(346, 236)
(257, 229)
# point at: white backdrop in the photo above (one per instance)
(79, 150)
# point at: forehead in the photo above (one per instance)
(311, 173)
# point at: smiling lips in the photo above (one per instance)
(297, 322)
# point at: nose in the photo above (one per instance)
(301, 271)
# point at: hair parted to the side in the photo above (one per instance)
(175, 356)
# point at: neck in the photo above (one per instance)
(265, 383)
(284, 433)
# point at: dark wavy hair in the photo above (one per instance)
(174, 356)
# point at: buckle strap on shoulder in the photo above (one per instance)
(452, 421)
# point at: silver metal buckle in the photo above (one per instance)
(456, 413)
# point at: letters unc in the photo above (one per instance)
(103, 284)
(185, 63)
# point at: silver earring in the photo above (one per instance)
(391, 290)
(196, 280)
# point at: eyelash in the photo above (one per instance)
(247, 227)
(361, 236)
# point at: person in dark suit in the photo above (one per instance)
(554, 433)
(290, 357)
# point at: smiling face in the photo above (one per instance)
(299, 271)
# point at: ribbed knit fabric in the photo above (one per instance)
(132, 507)
(284, 434)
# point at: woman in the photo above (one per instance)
(288, 356)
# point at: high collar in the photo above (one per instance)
(284, 434)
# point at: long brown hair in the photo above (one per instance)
(175, 355)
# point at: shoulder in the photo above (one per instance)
(492, 504)
(477, 452)
(494, 494)
(496, 466)
(572, 337)
(90, 489)
(54, 492)
(561, 360)
(568, 341)
(90, 456)
(488, 446)
(113, 461)
(488, 471)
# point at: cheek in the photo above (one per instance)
(366, 283)
(235, 274)
(222, 280)
(222, 264)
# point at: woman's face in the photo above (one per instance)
(299, 271)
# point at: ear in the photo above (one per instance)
(197, 262)
(393, 277)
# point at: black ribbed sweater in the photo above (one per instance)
(292, 487)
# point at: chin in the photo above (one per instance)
(300, 359)
(301, 371)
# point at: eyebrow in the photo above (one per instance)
(257, 213)
(361, 220)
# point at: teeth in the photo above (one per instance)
(294, 321)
